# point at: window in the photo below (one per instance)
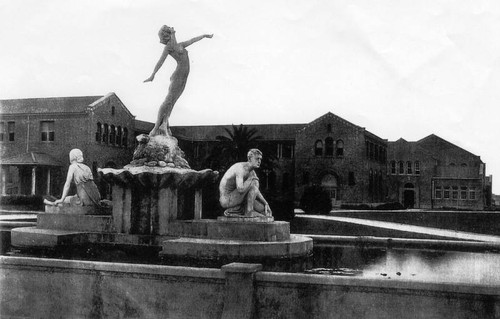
(105, 134)
(125, 137)
(112, 135)
(446, 194)
(2, 131)
(417, 167)
(472, 193)
(329, 128)
(318, 148)
(11, 128)
(329, 146)
(393, 167)
(287, 151)
(112, 110)
(119, 136)
(98, 132)
(340, 148)
(453, 164)
(401, 167)
(463, 165)
(408, 168)
(47, 131)
(454, 193)
(463, 192)
(376, 152)
(438, 192)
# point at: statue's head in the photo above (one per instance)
(254, 157)
(165, 34)
(75, 155)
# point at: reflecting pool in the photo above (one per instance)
(410, 264)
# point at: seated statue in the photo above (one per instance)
(87, 193)
(239, 189)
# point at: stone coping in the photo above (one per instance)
(375, 283)
(261, 277)
(111, 267)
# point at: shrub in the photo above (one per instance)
(390, 206)
(316, 200)
(282, 208)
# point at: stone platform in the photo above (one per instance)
(234, 229)
(295, 246)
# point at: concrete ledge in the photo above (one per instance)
(6, 261)
(233, 230)
(77, 222)
(211, 248)
(37, 238)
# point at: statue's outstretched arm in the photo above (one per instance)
(193, 40)
(158, 64)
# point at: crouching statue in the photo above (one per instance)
(239, 189)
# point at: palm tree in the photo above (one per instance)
(237, 142)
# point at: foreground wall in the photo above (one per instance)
(44, 288)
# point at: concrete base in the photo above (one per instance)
(76, 210)
(32, 237)
(296, 246)
(84, 223)
(234, 229)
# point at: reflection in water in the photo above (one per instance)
(418, 265)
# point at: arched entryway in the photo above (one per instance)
(409, 195)
(329, 182)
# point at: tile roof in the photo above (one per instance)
(31, 158)
(74, 104)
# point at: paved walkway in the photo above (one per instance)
(408, 228)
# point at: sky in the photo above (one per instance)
(401, 69)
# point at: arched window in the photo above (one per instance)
(329, 146)
(340, 148)
(463, 165)
(112, 110)
(112, 135)
(409, 168)
(417, 167)
(401, 167)
(119, 136)
(318, 148)
(370, 184)
(452, 164)
(98, 133)
(105, 134)
(393, 167)
(125, 137)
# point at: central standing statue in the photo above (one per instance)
(177, 80)
(239, 189)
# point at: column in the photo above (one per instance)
(4, 179)
(48, 181)
(198, 201)
(33, 180)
